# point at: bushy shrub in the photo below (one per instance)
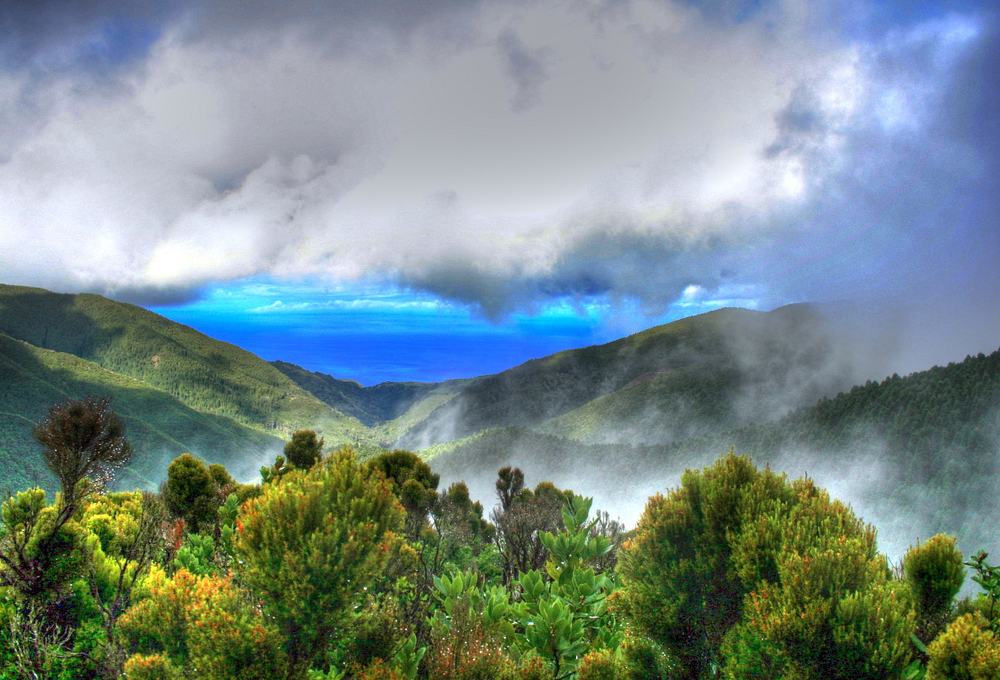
(599, 664)
(310, 543)
(304, 449)
(205, 625)
(935, 573)
(151, 667)
(966, 650)
(798, 574)
(641, 658)
(191, 493)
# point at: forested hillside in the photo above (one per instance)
(204, 374)
(371, 405)
(717, 370)
(918, 453)
(159, 426)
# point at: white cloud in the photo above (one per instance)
(499, 155)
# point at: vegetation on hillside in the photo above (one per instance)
(717, 370)
(203, 374)
(338, 568)
(925, 446)
(159, 426)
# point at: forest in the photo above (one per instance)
(336, 565)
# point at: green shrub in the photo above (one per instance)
(205, 627)
(598, 664)
(151, 667)
(308, 546)
(190, 492)
(966, 650)
(304, 450)
(743, 571)
(935, 573)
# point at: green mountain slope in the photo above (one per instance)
(157, 424)
(204, 374)
(721, 369)
(916, 454)
(370, 405)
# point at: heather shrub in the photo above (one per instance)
(743, 572)
(308, 546)
(966, 650)
(935, 574)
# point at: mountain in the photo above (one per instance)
(696, 375)
(370, 405)
(158, 425)
(177, 389)
(204, 374)
(916, 454)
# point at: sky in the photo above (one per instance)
(420, 191)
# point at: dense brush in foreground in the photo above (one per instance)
(334, 568)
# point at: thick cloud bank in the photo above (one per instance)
(499, 154)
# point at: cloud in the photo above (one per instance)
(526, 67)
(499, 154)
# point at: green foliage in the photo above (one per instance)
(41, 550)
(599, 664)
(197, 555)
(304, 449)
(191, 492)
(935, 574)
(560, 616)
(309, 543)
(413, 482)
(966, 650)
(988, 578)
(565, 616)
(641, 658)
(203, 627)
(151, 667)
(739, 569)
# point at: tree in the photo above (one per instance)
(742, 570)
(304, 449)
(520, 517)
(41, 549)
(413, 482)
(82, 438)
(310, 543)
(190, 492)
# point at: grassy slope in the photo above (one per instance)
(719, 369)
(204, 374)
(158, 425)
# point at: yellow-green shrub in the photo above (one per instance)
(204, 623)
(151, 667)
(598, 665)
(966, 650)
(310, 543)
(935, 573)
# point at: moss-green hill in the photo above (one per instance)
(205, 375)
(702, 373)
(919, 453)
(158, 425)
